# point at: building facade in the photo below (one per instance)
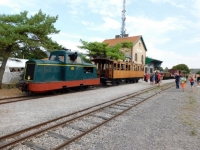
(137, 53)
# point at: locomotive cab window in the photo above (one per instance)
(88, 69)
(52, 57)
(78, 60)
(61, 58)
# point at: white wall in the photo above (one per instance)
(10, 77)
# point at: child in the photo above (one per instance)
(183, 82)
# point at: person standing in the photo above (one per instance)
(159, 78)
(156, 77)
(192, 82)
(151, 79)
(147, 77)
(198, 81)
(183, 82)
(177, 80)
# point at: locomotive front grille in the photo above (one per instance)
(30, 69)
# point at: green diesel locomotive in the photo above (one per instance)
(64, 69)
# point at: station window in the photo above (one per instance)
(142, 59)
(151, 70)
(135, 56)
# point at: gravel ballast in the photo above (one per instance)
(169, 120)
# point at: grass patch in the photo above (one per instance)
(193, 132)
(188, 113)
(191, 100)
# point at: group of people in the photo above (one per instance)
(155, 78)
(182, 81)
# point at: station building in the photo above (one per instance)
(137, 53)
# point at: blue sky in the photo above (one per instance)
(170, 28)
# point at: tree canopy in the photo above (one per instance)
(166, 69)
(198, 72)
(102, 50)
(181, 67)
(24, 35)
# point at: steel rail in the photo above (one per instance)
(54, 120)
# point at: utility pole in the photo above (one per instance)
(123, 30)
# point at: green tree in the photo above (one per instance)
(198, 72)
(181, 67)
(102, 50)
(20, 34)
(166, 69)
(161, 69)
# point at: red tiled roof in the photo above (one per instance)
(115, 41)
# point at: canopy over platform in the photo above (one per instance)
(155, 62)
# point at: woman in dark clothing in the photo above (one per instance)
(177, 80)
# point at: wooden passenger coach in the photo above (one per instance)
(114, 72)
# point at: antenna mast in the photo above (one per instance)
(123, 30)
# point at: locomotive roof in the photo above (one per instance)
(63, 52)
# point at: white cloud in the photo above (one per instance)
(106, 8)
(171, 58)
(155, 27)
(177, 3)
(108, 24)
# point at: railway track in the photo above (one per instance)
(60, 132)
(35, 96)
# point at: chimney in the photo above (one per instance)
(117, 36)
(125, 35)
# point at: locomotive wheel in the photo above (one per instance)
(82, 88)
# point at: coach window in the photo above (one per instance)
(115, 66)
(118, 66)
(126, 67)
(122, 67)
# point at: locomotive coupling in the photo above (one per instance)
(23, 86)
